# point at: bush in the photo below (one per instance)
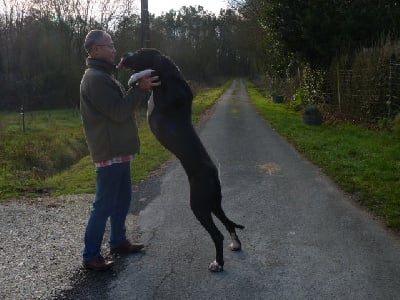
(298, 100)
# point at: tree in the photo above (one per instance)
(41, 45)
(317, 30)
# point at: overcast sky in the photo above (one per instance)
(157, 7)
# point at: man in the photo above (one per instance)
(112, 137)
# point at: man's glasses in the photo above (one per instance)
(109, 46)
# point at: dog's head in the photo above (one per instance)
(140, 60)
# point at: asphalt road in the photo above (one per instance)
(304, 237)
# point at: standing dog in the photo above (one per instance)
(171, 123)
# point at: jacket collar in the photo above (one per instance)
(100, 65)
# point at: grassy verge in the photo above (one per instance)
(361, 161)
(52, 141)
(43, 158)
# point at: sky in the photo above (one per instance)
(157, 7)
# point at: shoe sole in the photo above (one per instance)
(97, 269)
(115, 252)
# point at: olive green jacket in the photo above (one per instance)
(108, 112)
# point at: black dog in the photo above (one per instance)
(171, 123)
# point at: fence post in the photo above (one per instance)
(338, 86)
(392, 92)
(299, 75)
(23, 117)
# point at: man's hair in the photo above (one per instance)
(92, 38)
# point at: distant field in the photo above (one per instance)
(51, 156)
(36, 121)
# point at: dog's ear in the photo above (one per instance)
(148, 56)
(157, 63)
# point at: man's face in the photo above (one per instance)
(104, 50)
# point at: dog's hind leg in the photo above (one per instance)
(200, 194)
(217, 210)
(207, 222)
(235, 244)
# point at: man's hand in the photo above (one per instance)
(148, 82)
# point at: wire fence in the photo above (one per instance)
(365, 93)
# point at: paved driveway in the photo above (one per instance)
(304, 238)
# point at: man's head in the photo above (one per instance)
(99, 45)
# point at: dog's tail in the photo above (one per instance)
(230, 225)
(238, 226)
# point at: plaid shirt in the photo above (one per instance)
(115, 160)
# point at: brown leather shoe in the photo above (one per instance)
(98, 264)
(127, 248)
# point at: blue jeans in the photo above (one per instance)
(113, 198)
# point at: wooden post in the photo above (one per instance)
(338, 86)
(391, 85)
(145, 24)
(23, 117)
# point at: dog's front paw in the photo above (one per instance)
(215, 267)
(139, 75)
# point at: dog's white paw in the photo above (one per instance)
(235, 245)
(215, 267)
(139, 75)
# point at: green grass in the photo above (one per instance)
(53, 140)
(363, 162)
(51, 156)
